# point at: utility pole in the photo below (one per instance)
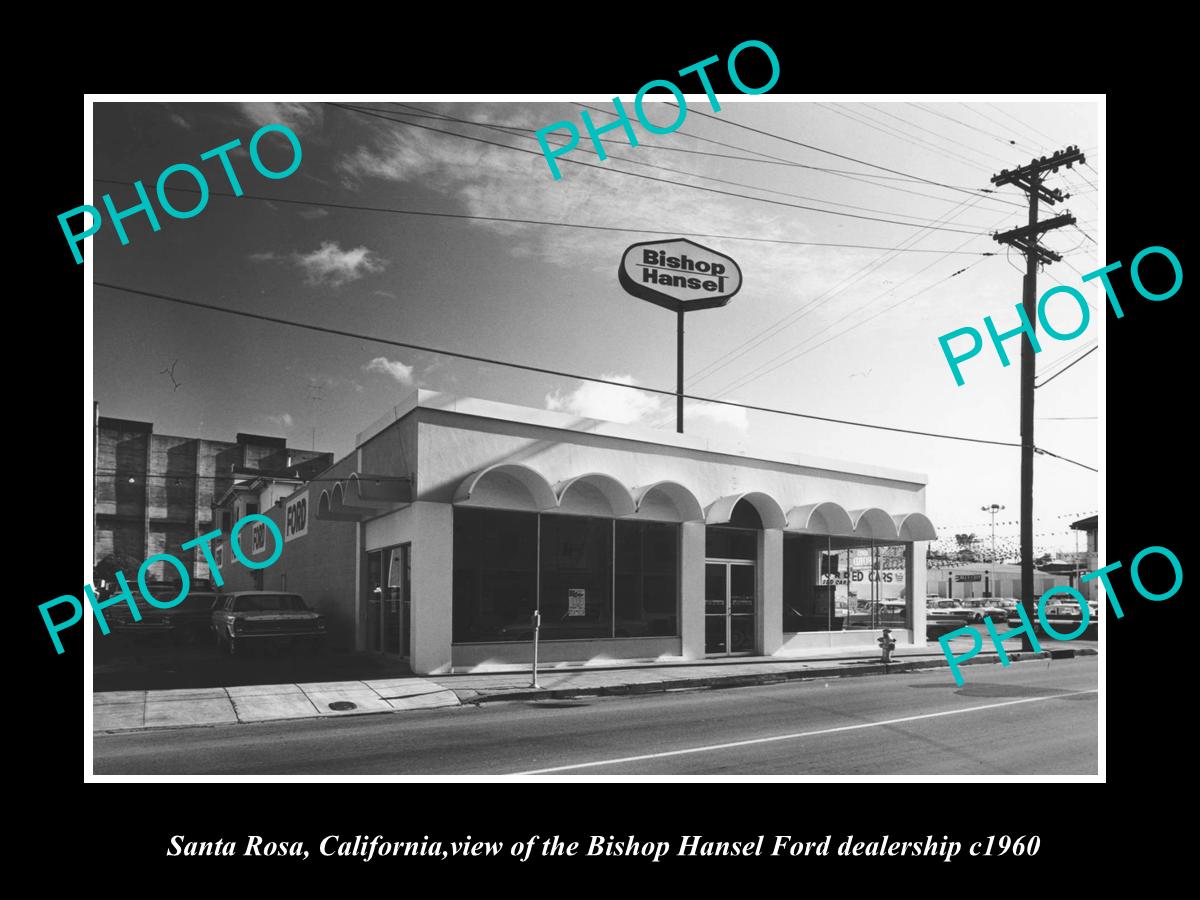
(1029, 179)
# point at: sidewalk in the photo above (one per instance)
(136, 710)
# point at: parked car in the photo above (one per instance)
(181, 623)
(262, 618)
(943, 610)
(987, 607)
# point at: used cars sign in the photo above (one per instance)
(679, 274)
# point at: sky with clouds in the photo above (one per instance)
(836, 331)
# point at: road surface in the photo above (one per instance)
(1030, 718)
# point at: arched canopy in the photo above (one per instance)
(767, 507)
(873, 523)
(326, 509)
(669, 501)
(506, 486)
(914, 527)
(821, 518)
(595, 494)
(383, 491)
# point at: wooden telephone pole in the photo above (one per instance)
(1029, 179)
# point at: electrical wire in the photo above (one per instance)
(524, 135)
(727, 121)
(1064, 459)
(855, 115)
(1060, 371)
(442, 215)
(655, 178)
(825, 296)
(530, 368)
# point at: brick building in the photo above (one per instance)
(154, 492)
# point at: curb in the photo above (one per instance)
(716, 682)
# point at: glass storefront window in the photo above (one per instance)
(837, 583)
(576, 577)
(495, 575)
(646, 579)
(582, 559)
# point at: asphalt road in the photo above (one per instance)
(1031, 718)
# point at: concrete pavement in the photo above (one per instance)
(132, 710)
(1029, 718)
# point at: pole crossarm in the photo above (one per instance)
(1029, 178)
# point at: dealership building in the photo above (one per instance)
(455, 519)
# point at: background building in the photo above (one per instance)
(967, 580)
(154, 492)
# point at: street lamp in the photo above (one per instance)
(993, 509)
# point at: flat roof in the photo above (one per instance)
(544, 418)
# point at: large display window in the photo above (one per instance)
(840, 584)
(595, 578)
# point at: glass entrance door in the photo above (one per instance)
(729, 607)
(389, 614)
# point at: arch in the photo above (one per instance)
(873, 523)
(506, 486)
(821, 518)
(765, 505)
(915, 527)
(669, 501)
(327, 511)
(595, 494)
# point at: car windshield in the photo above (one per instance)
(268, 602)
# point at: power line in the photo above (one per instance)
(530, 368)
(766, 368)
(862, 177)
(1023, 124)
(655, 178)
(1060, 371)
(640, 162)
(892, 131)
(443, 215)
(795, 316)
(1064, 459)
(972, 192)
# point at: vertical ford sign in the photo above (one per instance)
(295, 520)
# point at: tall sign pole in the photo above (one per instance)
(682, 276)
(679, 377)
(1029, 179)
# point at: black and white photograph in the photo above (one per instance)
(674, 434)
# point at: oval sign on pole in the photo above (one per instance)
(679, 274)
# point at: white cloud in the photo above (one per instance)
(394, 368)
(180, 121)
(317, 213)
(332, 265)
(282, 420)
(297, 116)
(611, 403)
(262, 257)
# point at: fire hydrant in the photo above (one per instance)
(887, 643)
